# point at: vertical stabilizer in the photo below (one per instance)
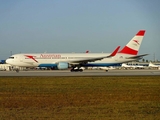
(134, 44)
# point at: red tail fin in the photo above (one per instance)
(134, 44)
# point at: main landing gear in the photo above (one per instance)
(76, 70)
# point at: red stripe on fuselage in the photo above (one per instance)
(127, 50)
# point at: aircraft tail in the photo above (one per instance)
(134, 44)
(152, 65)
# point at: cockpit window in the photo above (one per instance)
(11, 57)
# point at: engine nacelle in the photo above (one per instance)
(62, 65)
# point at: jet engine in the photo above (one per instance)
(62, 65)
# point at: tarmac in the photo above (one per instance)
(84, 73)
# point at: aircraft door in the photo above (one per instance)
(20, 58)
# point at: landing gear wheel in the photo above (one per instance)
(17, 70)
(76, 70)
(72, 70)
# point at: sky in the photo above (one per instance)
(65, 26)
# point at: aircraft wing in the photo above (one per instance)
(137, 56)
(95, 58)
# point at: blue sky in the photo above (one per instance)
(77, 25)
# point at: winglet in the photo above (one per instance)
(87, 51)
(115, 51)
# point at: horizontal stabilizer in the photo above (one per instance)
(137, 56)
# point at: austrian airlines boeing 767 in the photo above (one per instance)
(72, 60)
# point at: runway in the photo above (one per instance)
(84, 73)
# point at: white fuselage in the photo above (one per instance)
(51, 59)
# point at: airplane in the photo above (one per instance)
(107, 68)
(126, 66)
(151, 65)
(72, 60)
(102, 68)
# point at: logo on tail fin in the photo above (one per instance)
(136, 41)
